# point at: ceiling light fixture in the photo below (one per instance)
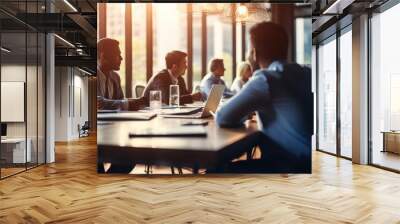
(5, 50)
(70, 5)
(65, 41)
(242, 13)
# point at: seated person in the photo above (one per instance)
(217, 70)
(244, 73)
(176, 67)
(280, 94)
(109, 91)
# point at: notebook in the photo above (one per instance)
(125, 116)
(182, 131)
(107, 111)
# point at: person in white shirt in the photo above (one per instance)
(217, 71)
(244, 74)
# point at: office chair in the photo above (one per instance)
(139, 90)
(84, 130)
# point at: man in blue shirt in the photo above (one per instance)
(217, 70)
(280, 94)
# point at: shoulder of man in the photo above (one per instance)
(161, 75)
(181, 79)
(114, 75)
(158, 77)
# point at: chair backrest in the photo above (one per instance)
(139, 90)
(86, 125)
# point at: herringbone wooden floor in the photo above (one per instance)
(70, 191)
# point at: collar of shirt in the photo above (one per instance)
(173, 78)
(276, 66)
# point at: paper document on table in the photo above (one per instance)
(182, 131)
(125, 116)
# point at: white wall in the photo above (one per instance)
(33, 127)
(71, 103)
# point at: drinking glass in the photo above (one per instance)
(155, 99)
(174, 95)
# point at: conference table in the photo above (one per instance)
(115, 146)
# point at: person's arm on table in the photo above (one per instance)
(251, 98)
(109, 104)
(124, 104)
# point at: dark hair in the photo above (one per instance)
(105, 44)
(270, 40)
(174, 57)
(215, 64)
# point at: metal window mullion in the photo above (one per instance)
(128, 50)
(338, 94)
(203, 43)
(26, 88)
(317, 97)
(369, 81)
(233, 21)
(189, 13)
(149, 41)
(37, 91)
(102, 20)
(243, 25)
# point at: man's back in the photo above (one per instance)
(281, 95)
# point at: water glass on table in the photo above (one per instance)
(155, 100)
(174, 95)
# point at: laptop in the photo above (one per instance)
(209, 109)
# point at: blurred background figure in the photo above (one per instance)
(244, 73)
(217, 70)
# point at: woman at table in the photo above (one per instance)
(244, 74)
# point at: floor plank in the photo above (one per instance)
(70, 191)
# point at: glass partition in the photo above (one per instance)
(385, 89)
(327, 96)
(15, 150)
(346, 94)
(22, 91)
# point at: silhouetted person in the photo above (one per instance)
(176, 65)
(217, 70)
(280, 94)
(109, 92)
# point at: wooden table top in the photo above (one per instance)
(115, 145)
(116, 134)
